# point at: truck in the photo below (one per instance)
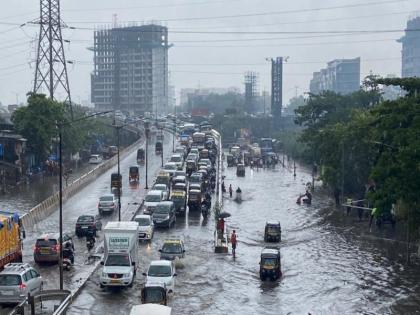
(121, 254)
(10, 239)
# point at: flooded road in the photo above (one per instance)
(327, 268)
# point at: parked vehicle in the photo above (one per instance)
(17, 280)
(95, 159)
(47, 247)
(155, 293)
(151, 200)
(158, 148)
(164, 188)
(87, 224)
(133, 175)
(272, 231)
(146, 226)
(121, 254)
(270, 264)
(107, 204)
(240, 170)
(164, 214)
(162, 271)
(172, 249)
(140, 156)
(10, 239)
(179, 198)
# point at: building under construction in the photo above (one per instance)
(251, 92)
(131, 69)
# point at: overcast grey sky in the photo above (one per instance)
(215, 60)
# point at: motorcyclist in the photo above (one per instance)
(68, 252)
(90, 240)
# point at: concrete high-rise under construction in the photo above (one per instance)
(131, 69)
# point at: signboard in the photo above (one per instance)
(118, 242)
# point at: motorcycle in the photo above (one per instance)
(68, 259)
(90, 243)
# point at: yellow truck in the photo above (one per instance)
(10, 239)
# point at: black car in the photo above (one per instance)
(87, 223)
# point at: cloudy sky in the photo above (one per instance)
(216, 41)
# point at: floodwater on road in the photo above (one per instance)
(327, 269)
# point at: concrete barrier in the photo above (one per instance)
(48, 206)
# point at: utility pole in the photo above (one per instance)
(51, 68)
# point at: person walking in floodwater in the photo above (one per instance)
(233, 241)
(230, 190)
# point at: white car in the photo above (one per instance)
(162, 271)
(164, 189)
(178, 160)
(146, 226)
(170, 168)
(95, 159)
(151, 200)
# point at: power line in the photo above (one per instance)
(268, 13)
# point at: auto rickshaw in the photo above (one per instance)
(230, 160)
(140, 156)
(115, 181)
(270, 264)
(133, 175)
(272, 231)
(191, 167)
(158, 147)
(204, 154)
(179, 198)
(194, 199)
(155, 293)
(240, 170)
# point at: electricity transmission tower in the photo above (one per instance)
(51, 69)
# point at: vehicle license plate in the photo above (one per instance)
(115, 281)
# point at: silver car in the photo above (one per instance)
(16, 281)
(107, 204)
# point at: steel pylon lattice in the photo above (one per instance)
(51, 68)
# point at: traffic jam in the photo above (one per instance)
(184, 184)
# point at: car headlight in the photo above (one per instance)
(126, 275)
(167, 217)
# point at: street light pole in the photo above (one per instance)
(119, 174)
(147, 144)
(161, 132)
(60, 194)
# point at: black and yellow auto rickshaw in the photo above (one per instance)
(270, 263)
(179, 198)
(194, 199)
(230, 160)
(140, 156)
(116, 180)
(163, 178)
(154, 293)
(158, 147)
(133, 174)
(272, 231)
(191, 167)
(240, 170)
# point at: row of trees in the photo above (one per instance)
(37, 122)
(359, 138)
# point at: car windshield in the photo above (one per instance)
(143, 221)
(85, 219)
(159, 187)
(118, 260)
(107, 198)
(159, 271)
(153, 295)
(162, 209)
(170, 167)
(271, 262)
(152, 198)
(273, 229)
(176, 159)
(10, 280)
(172, 248)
